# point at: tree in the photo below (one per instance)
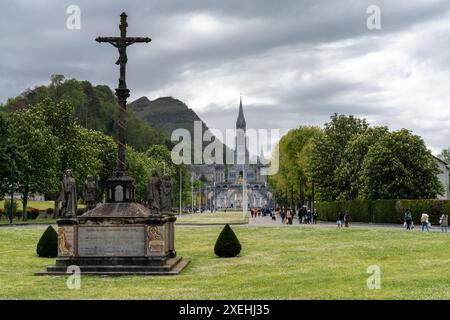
(445, 155)
(293, 184)
(348, 176)
(329, 150)
(403, 168)
(36, 155)
(5, 156)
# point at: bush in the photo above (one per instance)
(384, 211)
(7, 206)
(227, 244)
(47, 246)
(33, 213)
(50, 210)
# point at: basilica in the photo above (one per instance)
(225, 184)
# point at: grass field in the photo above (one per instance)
(276, 263)
(5, 220)
(219, 218)
(41, 205)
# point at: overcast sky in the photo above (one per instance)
(294, 62)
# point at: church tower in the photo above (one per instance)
(241, 155)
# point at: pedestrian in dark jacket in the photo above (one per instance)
(346, 219)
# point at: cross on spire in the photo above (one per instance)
(122, 92)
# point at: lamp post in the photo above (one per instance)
(13, 176)
(181, 186)
(372, 170)
(192, 193)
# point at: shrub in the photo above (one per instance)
(18, 213)
(227, 244)
(33, 213)
(50, 210)
(7, 206)
(47, 246)
(384, 211)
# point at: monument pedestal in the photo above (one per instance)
(118, 239)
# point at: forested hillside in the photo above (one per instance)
(95, 108)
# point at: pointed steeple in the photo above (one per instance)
(240, 122)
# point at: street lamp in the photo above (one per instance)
(13, 174)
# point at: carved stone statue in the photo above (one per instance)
(166, 194)
(68, 195)
(89, 191)
(154, 194)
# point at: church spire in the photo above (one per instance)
(240, 122)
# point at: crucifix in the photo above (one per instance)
(121, 187)
(122, 92)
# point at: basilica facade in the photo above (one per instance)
(236, 185)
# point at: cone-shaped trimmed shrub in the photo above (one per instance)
(227, 244)
(48, 244)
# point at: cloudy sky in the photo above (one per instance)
(294, 62)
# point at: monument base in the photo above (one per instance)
(118, 239)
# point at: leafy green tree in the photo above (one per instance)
(36, 150)
(5, 156)
(348, 176)
(445, 155)
(293, 184)
(329, 150)
(139, 167)
(403, 168)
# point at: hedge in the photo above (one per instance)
(384, 211)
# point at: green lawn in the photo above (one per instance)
(41, 205)
(219, 218)
(276, 263)
(5, 220)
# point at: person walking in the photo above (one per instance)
(289, 216)
(444, 222)
(315, 216)
(424, 220)
(340, 219)
(346, 219)
(408, 219)
(283, 216)
(300, 215)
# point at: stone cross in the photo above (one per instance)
(122, 92)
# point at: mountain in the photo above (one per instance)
(167, 114)
(95, 108)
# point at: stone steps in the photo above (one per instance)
(173, 267)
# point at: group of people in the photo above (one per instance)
(425, 222)
(304, 214)
(343, 219)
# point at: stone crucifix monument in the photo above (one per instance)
(120, 237)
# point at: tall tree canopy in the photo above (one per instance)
(329, 150)
(293, 184)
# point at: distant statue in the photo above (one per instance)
(68, 195)
(89, 191)
(154, 192)
(166, 194)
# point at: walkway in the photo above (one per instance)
(268, 222)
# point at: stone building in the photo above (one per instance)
(444, 178)
(228, 182)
